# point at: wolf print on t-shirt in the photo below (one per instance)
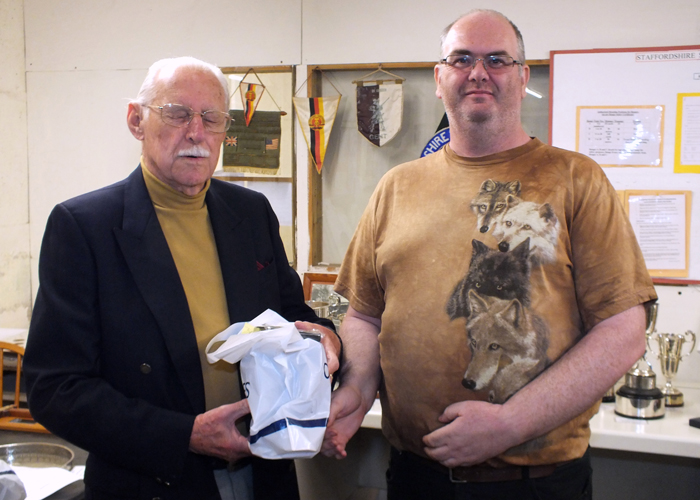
(505, 275)
(508, 345)
(493, 200)
(528, 220)
(507, 339)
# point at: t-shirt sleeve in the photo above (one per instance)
(610, 274)
(358, 279)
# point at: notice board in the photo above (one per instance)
(636, 111)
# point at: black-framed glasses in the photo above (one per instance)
(179, 115)
(493, 64)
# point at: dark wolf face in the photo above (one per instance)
(493, 199)
(505, 275)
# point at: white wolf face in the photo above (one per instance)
(529, 220)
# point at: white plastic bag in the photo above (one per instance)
(11, 487)
(286, 380)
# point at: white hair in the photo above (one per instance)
(166, 67)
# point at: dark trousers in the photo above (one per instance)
(408, 478)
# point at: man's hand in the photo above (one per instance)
(345, 419)
(215, 433)
(329, 340)
(475, 432)
(361, 375)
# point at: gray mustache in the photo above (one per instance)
(194, 151)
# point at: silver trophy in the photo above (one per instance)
(639, 397)
(670, 354)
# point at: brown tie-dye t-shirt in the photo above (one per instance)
(528, 249)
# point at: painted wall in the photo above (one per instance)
(15, 292)
(67, 94)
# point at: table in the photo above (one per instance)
(74, 491)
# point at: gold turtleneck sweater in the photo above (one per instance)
(187, 228)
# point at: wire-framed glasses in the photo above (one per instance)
(492, 64)
(178, 115)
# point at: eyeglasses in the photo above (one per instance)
(178, 115)
(493, 64)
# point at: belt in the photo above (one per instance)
(482, 473)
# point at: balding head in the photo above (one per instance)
(520, 55)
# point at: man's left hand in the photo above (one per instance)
(329, 340)
(475, 432)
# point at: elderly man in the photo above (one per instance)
(135, 279)
(502, 284)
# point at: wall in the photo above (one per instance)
(341, 31)
(15, 293)
(84, 58)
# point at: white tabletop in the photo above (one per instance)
(669, 435)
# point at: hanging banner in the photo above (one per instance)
(379, 110)
(316, 116)
(255, 147)
(250, 97)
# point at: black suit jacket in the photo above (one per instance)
(111, 361)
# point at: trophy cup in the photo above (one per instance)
(670, 354)
(639, 397)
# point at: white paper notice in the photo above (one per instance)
(659, 224)
(621, 136)
(690, 131)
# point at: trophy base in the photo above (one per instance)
(646, 404)
(609, 396)
(673, 397)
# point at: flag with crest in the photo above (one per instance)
(316, 116)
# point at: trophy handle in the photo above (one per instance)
(655, 335)
(693, 346)
(652, 311)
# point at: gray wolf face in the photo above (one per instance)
(508, 346)
(529, 220)
(505, 275)
(493, 199)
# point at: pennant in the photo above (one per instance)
(254, 147)
(250, 97)
(379, 110)
(316, 116)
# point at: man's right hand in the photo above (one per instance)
(215, 433)
(360, 381)
(346, 415)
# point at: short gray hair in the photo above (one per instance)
(149, 90)
(520, 56)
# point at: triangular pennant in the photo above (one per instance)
(250, 97)
(379, 110)
(316, 116)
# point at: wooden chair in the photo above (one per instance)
(12, 417)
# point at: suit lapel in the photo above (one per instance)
(146, 252)
(236, 248)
